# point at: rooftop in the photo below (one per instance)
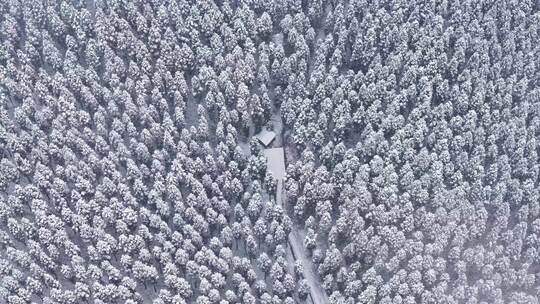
(265, 136)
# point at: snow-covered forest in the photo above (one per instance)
(130, 171)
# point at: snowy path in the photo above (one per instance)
(317, 294)
(279, 192)
(297, 252)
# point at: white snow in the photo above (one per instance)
(278, 39)
(317, 294)
(279, 192)
(245, 147)
(276, 162)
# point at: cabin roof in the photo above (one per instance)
(265, 136)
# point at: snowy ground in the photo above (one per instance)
(276, 162)
(279, 192)
(245, 147)
(318, 296)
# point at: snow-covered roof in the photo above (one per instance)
(265, 136)
(276, 162)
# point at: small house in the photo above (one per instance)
(266, 137)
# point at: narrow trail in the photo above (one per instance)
(317, 294)
(296, 250)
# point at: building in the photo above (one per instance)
(266, 137)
